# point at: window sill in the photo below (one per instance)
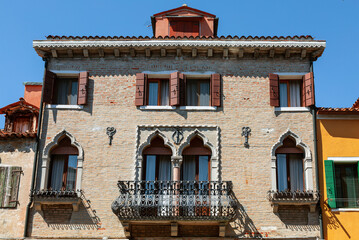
(345, 209)
(157, 108)
(63, 106)
(198, 108)
(291, 109)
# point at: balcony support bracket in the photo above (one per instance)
(174, 229)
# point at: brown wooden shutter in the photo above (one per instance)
(83, 85)
(3, 177)
(309, 89)
(15, 182)
(174, 89)
(49, 87)
(182, 78)
(216, 90)
(140, 89)
(274, 89)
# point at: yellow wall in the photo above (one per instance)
(337, 138)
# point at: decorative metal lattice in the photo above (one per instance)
(187, 200)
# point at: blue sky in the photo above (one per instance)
(335, 21)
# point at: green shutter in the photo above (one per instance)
(3, 175)
(330, 181)
(15, 182)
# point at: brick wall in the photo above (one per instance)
(245, 103)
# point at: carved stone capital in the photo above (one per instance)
(176, 161)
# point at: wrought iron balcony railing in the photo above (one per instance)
(293, 196)
(175, 200)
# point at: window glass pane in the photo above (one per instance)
(153, 93)
(164, 173)
(192, 93)
(164, 93)
(294, 88)
(57, 172)
(73, 94)
(204, 94)
(62, 90)
(283, 96)
(71, 173)
(296, 172)
(203, 168)
(150, 168)
(282, 172)
(347, 186)
(189, 168)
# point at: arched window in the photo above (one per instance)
(290, 174)
(157, 161)
(196, 161)
(63, 166)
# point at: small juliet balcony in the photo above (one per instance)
(278, 198)
(175, 200)
(56, 197)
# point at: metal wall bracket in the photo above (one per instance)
(110, 131)
(246, 132)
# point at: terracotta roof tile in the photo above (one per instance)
(356, 104)
(228, 37)
(4, 134)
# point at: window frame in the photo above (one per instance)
(288, 170)
(197, 167)
(65, 172)
(157, 167)
(287, 82)
(71, 80)
(198, 93)
(159, 89)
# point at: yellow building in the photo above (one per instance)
(338, 158)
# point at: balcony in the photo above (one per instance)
(175, 200)
(56, 197)
(277, 198)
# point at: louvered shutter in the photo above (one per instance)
(49, 87)
(140, 89)
(182, 78)
(274, 89)
(15, 182)
(174, 89)
(82, 89)
(3, 178)
(309, 89)
(330, 182)
(216, 90)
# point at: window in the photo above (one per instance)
(184, 28)
(289, 167)
(65, 91)
(342, 184)
(290, 93)
(9, 179)
(21, 124)
(198, 92)
(158, 92)
(63, 172)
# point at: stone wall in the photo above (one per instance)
(245, 103)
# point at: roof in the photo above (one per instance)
(329, 110)
(22, 104)
(33, 83)
(183, 8)
(4, 134)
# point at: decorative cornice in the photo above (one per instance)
(43, 44)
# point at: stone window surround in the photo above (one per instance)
(177, 157)
(308, 171)
(46, 159)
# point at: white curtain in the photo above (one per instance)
(62, 90)
(71, 173)
(204, 94)
(58, 162)
(189, 168)
(153, 93)
(165, 101)
(296, 172)
(164, 168)
(283, 96)
(282, 172)
(73, 94)
(295, 93)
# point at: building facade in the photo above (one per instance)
(338, 164)
(17, 153)
(184, 134)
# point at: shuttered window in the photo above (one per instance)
(9, 186)
(65, 90)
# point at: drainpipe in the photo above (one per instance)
(34, 169)
(314, 115)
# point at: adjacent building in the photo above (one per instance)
(338, 156)
(17, 147)
(184, 134)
